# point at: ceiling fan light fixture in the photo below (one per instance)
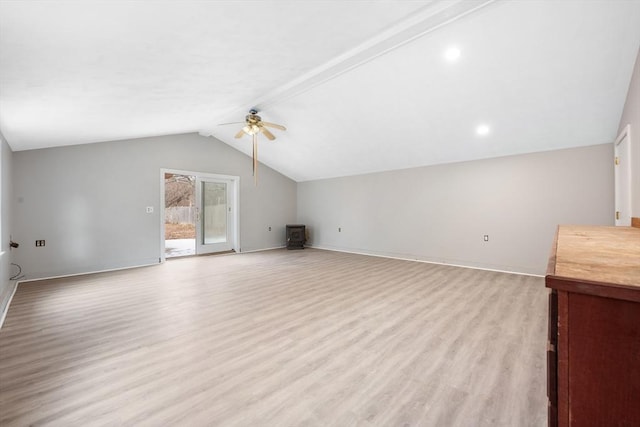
(251, 129)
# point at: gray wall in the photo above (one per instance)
(440, 213)
(6, 286)
(631, 116)
(88, 201)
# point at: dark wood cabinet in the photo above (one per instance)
(593, 356)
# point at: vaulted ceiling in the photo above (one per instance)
(362, 86)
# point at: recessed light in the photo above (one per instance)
(483, 130)
(452, 54)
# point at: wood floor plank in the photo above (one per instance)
(309, 337)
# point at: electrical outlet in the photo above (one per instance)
(149, 209)
(269, 228)
(486, 237)
(39, 243)
(339, 229)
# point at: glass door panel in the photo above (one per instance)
(214, 219)
(214, 212)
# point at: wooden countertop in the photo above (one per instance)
(608, 255)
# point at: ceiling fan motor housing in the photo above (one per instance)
(253, 119)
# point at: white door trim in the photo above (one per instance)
(620, 186)
(235, 229)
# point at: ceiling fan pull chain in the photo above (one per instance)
(255, 159)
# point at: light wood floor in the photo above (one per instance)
(277, 338)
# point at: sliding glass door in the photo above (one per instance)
(215, 216)
(200, 213)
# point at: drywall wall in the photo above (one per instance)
(631, 116)
(88, 202)
(441, 213)
(6, 163)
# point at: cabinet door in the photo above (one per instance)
(552, 360)
(604, 361)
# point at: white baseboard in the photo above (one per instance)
(62, 276)
(262, 250)
(424, 261)
(5, 309)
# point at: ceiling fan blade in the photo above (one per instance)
(268, 134)
(274, 125)
(232, 123)
(239, 134)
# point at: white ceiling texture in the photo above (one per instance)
(362, 86)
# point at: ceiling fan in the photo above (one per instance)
(253, 126)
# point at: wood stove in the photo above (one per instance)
(296, 236)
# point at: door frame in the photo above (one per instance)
(235, 229)
(618, 184)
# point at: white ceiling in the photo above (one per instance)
(362, 86)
